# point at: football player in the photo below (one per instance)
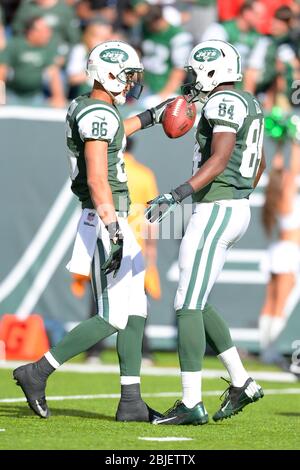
(104, 244)
(228, 164)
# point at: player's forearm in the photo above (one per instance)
(208, 172)
(102, 199)
(132, 125)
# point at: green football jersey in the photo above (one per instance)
(27, 64)
(60, 17)
(238, 112)
(91, 119)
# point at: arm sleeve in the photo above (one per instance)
(100, 124)
(226, 109)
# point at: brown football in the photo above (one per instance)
(178, 118)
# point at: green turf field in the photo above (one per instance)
(85, 423)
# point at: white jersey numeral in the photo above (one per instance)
(253, 152)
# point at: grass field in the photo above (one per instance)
(88, 423)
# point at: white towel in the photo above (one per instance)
(85, 243)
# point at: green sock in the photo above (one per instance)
(191, 340)
(129, 346)
(81, 338)
(216, 331)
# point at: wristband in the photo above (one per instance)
(146, 119)
(181, 192)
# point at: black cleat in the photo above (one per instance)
(236, 398)
(33, 388)
(180, 414)
(137, 411)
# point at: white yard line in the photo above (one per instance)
(165, 439)
(283, 377)
(210, 393)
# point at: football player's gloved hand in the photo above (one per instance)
(160, 207)
(158, 111)
(163, 204)
(113, 262)
(153, 116)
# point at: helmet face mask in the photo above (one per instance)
(211, 63)
(132, 78)
(117, 67)
(192, 90)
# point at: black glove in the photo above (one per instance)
(153, 116)
(113, 262)
(158, 111)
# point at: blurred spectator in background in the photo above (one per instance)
(281, 210)
(165, 49)
(88, 9)
(202, 14)
(2, 30)
(28, 63)
(59, 16)
(262, 69)
(241, 31)
(96, 31)
(9, 7)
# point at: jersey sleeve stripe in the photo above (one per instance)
(221, 122)
(96, 107)
(219, 128)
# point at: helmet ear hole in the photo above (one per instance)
(211, 73)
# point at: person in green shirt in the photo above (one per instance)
(58, 15)
(165, 49)
(27, 63)
(262, 66)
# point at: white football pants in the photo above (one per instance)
(212, 230)
(124, 295)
